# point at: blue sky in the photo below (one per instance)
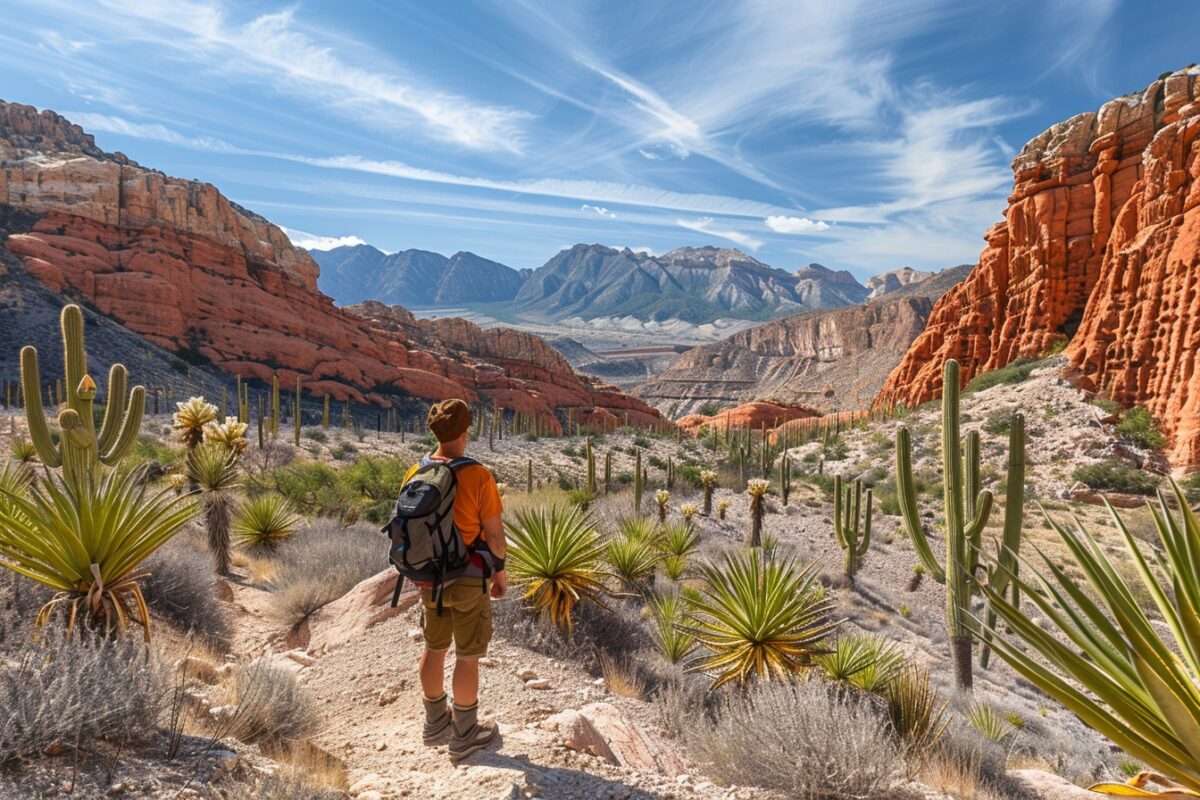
(863, 135)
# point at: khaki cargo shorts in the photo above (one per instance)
(466, 618)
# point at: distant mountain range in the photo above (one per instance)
(590, 281)
(414, 278)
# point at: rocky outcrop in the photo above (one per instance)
(1100, 246)
(177, 263)
(751, 416)
(893, 280)
(826, 360)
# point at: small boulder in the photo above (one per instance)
(600, 729)
(1042, 785)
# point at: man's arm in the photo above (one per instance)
(493, 534)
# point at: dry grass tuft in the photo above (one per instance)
(621, 677)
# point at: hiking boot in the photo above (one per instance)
(437, 721)
(470, 735)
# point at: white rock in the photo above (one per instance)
(415, 634)
(538, 683)
(526, 674)
(600, 729)
(301, 657)
(367, 783)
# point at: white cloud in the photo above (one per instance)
(646, 251)
(312, 241)
(781, 224)
(601, 210)
(108, 123)
(705, 225)
(276, 50)
(60, 44)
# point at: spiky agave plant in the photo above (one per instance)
(758, 617)
(866, 662)
(191, 416)
(265, 521)
(672, 631)
(679, 539)
(1103, 658)
(213, 468)
(639, 527)
(86, 538)
(230, 434)
(555, 556)
(632, 560)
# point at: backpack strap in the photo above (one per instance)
(396, 592)
(461, 461)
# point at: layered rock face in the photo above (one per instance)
(826, 360)
(179, 264)
(1100, 245)
(748, 415)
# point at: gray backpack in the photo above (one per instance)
(425, 544)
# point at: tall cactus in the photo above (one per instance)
(638, 481)
(529, 476)
(785, 478)
(852, 537)
(967, 508)
(274, 406)
(296, 415)
(591, 464)
(608, 461)
(1001, 576)
(80, 452)
(708, 479)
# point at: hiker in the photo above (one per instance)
(458, 606)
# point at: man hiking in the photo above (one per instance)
(460, 609)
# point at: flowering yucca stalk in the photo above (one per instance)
(231, 434)
(687, 511)
(722, 509)
(1133, 679)
(191, 416)
(757, 489)
(708, 480)
(662, 497)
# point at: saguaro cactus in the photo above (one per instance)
(529, 476)
(785, 478)
(966, 509)
(591, 464)
(296, 415)
(638, 481)
(274, 406)
(608, 471)
(79, 451)
(847, 515)
(325, 413)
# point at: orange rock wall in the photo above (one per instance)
(1099, 245)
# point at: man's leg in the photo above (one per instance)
(432, 669)
(466, 680)
(433, 673)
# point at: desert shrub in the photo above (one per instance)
(20, 599)
(836, 449)
(283, 785)
(271, 706)
(806, 740)
(1015, 372)
(618, 631)
(322, 562)
(690, 474)
(998, 422)
(1116, 476)
(1141, 428)
(1191, 487)
(262, 465)
(966, 765)
(182, 588)
(82, 688)
(316, 435)
(916, 714)
(160, 458)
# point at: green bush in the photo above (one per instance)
(1016, 372)
(1140, 427)
(1116, 476)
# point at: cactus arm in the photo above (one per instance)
(974, 529)
(866, 537)
(35, 416)
(130, 427)
(1014, 507)
(114, 408)
(74, 355)
(972, 479)
(838, 512)
(906, 493)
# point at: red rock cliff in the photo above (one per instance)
(181, 265)
(1100, 246)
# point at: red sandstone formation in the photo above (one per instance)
(179, 264)
(1100, 246)
(749, 415)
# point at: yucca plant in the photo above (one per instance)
(264, 522)
(687, 511)
(213, 467)
(23, 451)
(722, 509)
(759, 618)
(555, 556)
(757, 489)
(988, 722)
(86, 539)
(639, 527)
(632, 561)
(708, 480)
(662, 497)
(190, 418)
(916, 713)
(231, 434)
(1100, 654)
(671, 629)
(674, 567)
(679, 539)
(866, 662)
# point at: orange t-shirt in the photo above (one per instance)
(476, 499)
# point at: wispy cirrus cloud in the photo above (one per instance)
(152, 131)
(705, 225)
(276, 50)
